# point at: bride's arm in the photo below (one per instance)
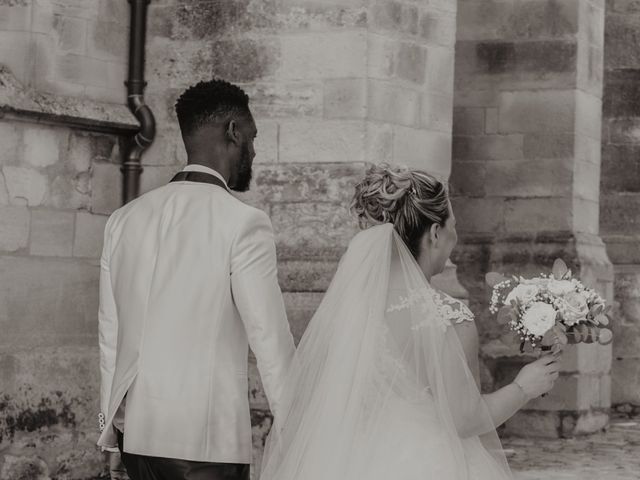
(502, 404)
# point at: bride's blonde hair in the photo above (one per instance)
(412, 200)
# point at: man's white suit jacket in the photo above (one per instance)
(188, 280)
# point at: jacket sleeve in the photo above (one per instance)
(257, 295)
(107, 328)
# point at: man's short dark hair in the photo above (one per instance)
(210, 102)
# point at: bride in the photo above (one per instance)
(384, 384)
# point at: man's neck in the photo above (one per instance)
(224, 172)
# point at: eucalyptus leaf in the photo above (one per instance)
(559, 269)
(494, 278)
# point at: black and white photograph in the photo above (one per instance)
(319, 239)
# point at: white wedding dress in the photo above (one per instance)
(379, 387)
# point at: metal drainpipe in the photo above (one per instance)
(135, 83)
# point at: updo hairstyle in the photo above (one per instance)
(410, 199)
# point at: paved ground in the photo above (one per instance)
(611, 455)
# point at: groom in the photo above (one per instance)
(188, 280)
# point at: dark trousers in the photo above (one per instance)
(142, 467)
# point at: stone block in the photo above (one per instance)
(440, 69)
(46, 301)
(489, 147)
(26, 186)
(534, 424)
(24, 468)
(436, 113)
(605, 392)
(79, 152)
(589, 422)
(538, 214)
(345, 98)
(491, 121)
(71, 34)
(624, 6)
(306, 276)
(329, 141)
(468, 121)
(327, 55)
(265, 144)
(411, 63)
(438, 27)
(479, 215)
(70, 190)
(532, 19)
(548, 145)
(529, 178)
(537, 111)
(393, 103)
(82, 70)
(106, 95)
(106, 192)
(300, 309)
(72, 8)
(586, 181)
(488, 98)
(619, 213)
(15, 16)
(42, 146)
(621, 95)
(621, 37)
(570, 392)
(51, 233)
(395, 16)
(468, 179)
(423, 149)
(382, 55)
(323, 182)
(108, 40)
(588, 115)
(544, 58)
(311, 230)
(4, 193)
(14, 228)
(13, 46)
(89, 234)
(625, 383)
(585, 215)
(379, 142)
(590, 69)
(10, 138)
(286, 99)
(624, 130)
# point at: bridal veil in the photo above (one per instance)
(380, 344)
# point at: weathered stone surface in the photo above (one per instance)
(306, 276)
(345, 98)
(436, 113)
(287, 99)
(315, 141)
(51, 233)
(393, 103)
(619, 213)
(26, 186)
(307, 182)
(488, 147)
(9, 140)
(89, 233)
(42, 146)
(311, 230)
(621, 96)
(300, 308)
(539, 111)
(14, 228)
(621, 37)
(468, 121)
(423, 149)
(532, 178)
(106, 192)
(625, 381)
(411, 63)
(538, 214)
(24, 468)
(47, 301)
(620, 168)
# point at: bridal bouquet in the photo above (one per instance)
(550, 310)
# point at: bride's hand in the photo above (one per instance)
(538, 377)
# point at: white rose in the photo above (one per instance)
(574, 308)
(539, 318)
(523, 294)
(560, 287)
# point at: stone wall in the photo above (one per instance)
(620, 186)
(526, 171)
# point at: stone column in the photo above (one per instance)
(620, 184)
(526, 172)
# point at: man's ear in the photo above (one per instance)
(232, 133)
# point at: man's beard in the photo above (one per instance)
(243, 172)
